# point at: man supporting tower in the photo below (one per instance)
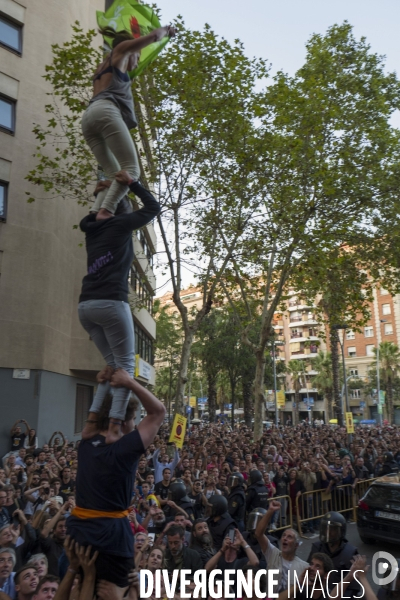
(105, 481)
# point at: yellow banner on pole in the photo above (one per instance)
(349, 422)
(178, 431)
(192, 401)
(280, 398)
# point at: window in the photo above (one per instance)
(350, 335)
(10, 35)
(369, 350)
(143, 345)
(3, 201)
(355, 393)
(384, 292)
(369, 331)
(7, 114)
(388, 329)
(351, 350)
(83, 401)
(146, 248)
(386, 309)
(141, 289)
(354, 371)
(296, 316)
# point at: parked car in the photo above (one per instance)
(378, 512)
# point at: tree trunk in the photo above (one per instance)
(233, 388)
(182, 375)
(337, 393)
(247, 385)
(329, 400)
(212, 395)
(259, 398)
(296, 413)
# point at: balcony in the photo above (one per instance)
(303, 355)
(297, 306)
(303, 338)
(296, 322)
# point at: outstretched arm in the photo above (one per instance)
(263, 524)
(138, 44)
(151, 423)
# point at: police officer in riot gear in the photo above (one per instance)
(219, 521)
(237, 499)
(257, 493)
(332, 541)
(249, 535)
(389, 464)
(177, 494)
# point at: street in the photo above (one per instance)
(353, 537)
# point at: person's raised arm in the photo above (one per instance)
(251, 555)
(262, 539)
(65, 587)
(49, 525)
(150, 209)
(137, 45)
(13, 428)
(27, 428)
(212, 563)
(89, 571)
(155, 409)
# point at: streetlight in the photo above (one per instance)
(378, 383)
(344, 327)
(275, 343)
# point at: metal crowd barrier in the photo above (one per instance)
(311, 506)
(285, 516)
(361, 488)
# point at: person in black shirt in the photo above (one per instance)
(161, 490)
(105, 481)
(67, 484)
(17, 437)
(104, 310)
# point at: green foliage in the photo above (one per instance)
(389, 366)
(65, 164)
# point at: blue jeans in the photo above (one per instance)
(110, 325)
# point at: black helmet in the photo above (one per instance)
(217, 505)
(254, 518)
(388, 457)
(235, 479)
(255, 476)
(176, 491)
(332, 527)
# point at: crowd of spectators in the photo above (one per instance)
(221, 502)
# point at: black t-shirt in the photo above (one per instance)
(66, 489)
(281, 485)
(17, 441)
(161, 490)
(104, 482)
(110, 250)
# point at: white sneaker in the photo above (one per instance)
(273, 526)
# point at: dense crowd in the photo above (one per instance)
(224, 501)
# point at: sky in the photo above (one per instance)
(278, 30)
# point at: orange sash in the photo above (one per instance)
(87, 513)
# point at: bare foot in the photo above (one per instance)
(114, 432)
(105, 374)
(91, 427)
(103, 214)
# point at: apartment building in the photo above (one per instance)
(47, 361)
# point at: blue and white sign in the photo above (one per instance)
(228, 406)
(202, 400)
(188, 409)
(362, 404)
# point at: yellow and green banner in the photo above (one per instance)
(139, 20)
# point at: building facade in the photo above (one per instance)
(47, 361)
(298, 336)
